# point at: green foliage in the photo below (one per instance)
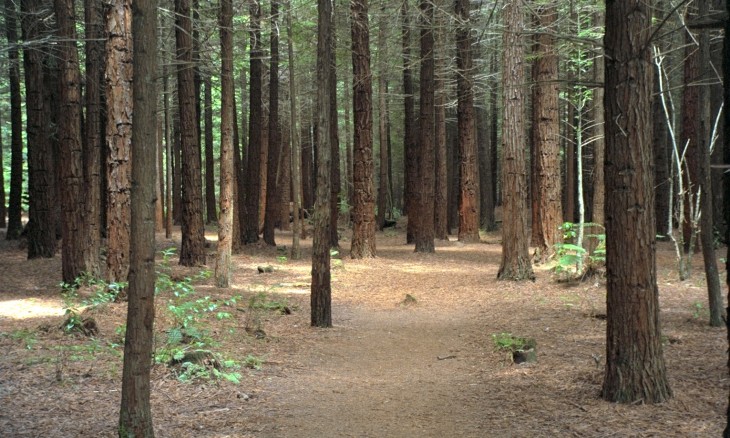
(26, 336)
(103, 294)
(509, 342)
(253, 362)
(261, 301)
(569, 256)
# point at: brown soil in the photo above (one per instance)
(390, 367)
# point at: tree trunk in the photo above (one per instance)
(515, 257)
(382, 122)
(321, 289)
(15, 208)
(169, 154)
(662, 165)
(283, 178)
(468, 166)
(272, 190)
(225, 222)
(707, 236)
(192, 248)
(441, 182)
(424, 192)
(135, 417)
(119, 137)
(546, 138)
(690, 138)
(253, 168)
(363, 233)
(409, 127)
(71, 171)
(41, 224)
(726, 184)
(635, 369)
(211, 212)
(486, 209)
(334, 138)
(296, 152)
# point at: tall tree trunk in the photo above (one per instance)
(135, 417)
(441, 165)
(726, 183)
(225, 223)
(424, 193)
(546, 137)
(272, 190)
(468, 166)
(515, 257)
(363, 233)
(71, 171)
(159, 176)
(192, 248)
(283, 177)
(382, 121)
(486, 209)
(334, 138)
(41, 224)
(296, 145)
(211, 213)
(635, 369)
(15, 209)
(707, 236)
(409, 126)
(168, 154)
(662, 164)
(253, 168)
(119, 137)
(494, 135)
(321, 289)
(93, 139)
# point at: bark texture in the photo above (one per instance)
(250, 222)
(635, 369)
(15, 224)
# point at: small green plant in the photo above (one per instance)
(253, 362)
(26, 336)
(509, 342)
(575, 261)
(698, 310)
(261, 301)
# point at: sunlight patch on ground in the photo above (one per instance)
(29, 308)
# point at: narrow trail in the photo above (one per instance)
(399, 373)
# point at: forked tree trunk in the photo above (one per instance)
(135, 416)
(515, 257)
(363, 233)
(635, 369)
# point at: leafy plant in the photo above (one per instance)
(573, 260)
(509, 342)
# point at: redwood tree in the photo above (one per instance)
(515, 256)
(409, 125)
(41, 226)
(321, 289)
(15, 225)
(250, 222)
(546, 137)
(225, 222)
(118, 137)
(135, 417)
(363, 233)
(468, 166)
(635, 369)
(272, 190)
(192, 249)
(424, 192)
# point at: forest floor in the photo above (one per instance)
(390, 366)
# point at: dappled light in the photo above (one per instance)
(28, 308)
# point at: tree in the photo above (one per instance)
(321, 289)
(15, 224)
(599, 143)
(409, 125)
(192, 248)
(468, 166)
(41, 177)
(93, 135)
(135, 417)
(296, 145)
(272, 190)
(253, 169)
(334, 137)
(211, 213)
(119, 137)
(383, 182)
(363, 232)
(424, 192)
(635, 369)
(225, 222)
(515, 257)
(546, 137)
(71, 175)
